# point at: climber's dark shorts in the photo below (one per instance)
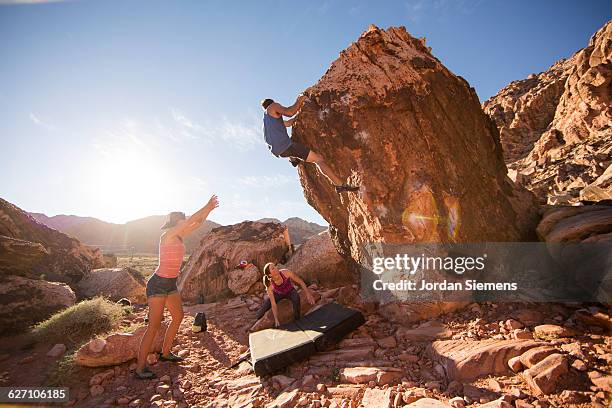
(158, 286)
(296, 149)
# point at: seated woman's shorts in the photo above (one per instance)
(159, 286)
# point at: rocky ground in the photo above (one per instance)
(493, 355)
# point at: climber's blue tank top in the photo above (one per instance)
(275, 134)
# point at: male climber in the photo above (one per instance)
(281, 145)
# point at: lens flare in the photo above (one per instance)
(422, 218)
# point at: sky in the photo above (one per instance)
(125, 109)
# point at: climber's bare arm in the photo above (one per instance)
(290, 122)
(277, 110)
(300, 282)
(273, 305)
(194, 222)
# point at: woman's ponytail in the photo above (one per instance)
(266, 274)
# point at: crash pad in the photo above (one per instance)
(329, 324)
(274, 349)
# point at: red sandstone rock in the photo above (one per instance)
(533, 356)
(31, 249)
(28, 301)
(468, 360)
(552, 331)
(116, 348)
(318, 260)
(542, 377)
(376, 398)
(555, 126)
(223, 248)
(424, 176)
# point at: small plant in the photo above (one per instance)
(335, 375)
(80, 322)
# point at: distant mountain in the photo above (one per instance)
(142, 234)
(299, 230)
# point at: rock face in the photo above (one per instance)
(241, 280)
(387, 115)
(116, 348)
(27, 301)
(523, 109)
(318, 260)
(114, 283)
(32, 249)
(221, 250)
(555, 126)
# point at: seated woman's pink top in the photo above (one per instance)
(285, 287)
(170, 259)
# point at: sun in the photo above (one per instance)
(129, 184)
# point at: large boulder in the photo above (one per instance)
(116, 348)
(33, 250)
(387, 115)
(114, 283)
(28, 301)
(555, 125)
(318, 260)
(221, 250)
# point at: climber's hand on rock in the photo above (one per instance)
(276, 323)
(309, 298)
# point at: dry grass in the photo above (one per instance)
(80, 322)
(145, 264)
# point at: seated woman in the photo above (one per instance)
(162, 292)
(279, 285)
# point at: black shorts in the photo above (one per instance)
(297, 150)
(159, 286)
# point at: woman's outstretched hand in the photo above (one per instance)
(212, 203)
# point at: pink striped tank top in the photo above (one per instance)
(170, 259)
(285, 287)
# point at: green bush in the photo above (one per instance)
(80, 322)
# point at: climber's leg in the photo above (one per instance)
(314, 157)
(266, 305)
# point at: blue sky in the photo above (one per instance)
(123, 109)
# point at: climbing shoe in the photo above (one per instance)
(173, 358)
(345, 187)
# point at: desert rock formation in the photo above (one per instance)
(32, 249)
(207, 271)
(387, 115)
(556, 126)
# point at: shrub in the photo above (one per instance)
(80, 322)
